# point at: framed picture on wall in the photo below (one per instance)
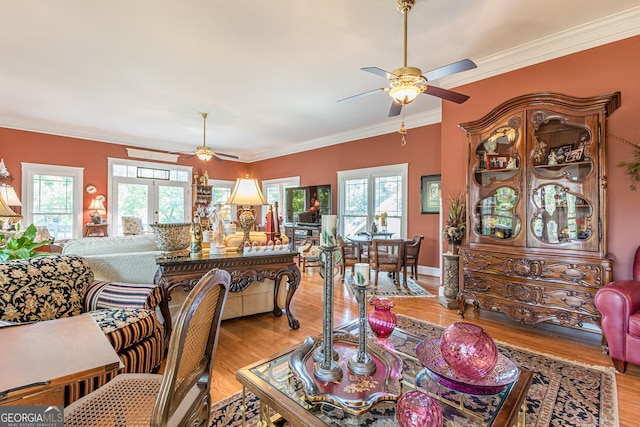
(430, 194)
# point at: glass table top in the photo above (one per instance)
(458, 409)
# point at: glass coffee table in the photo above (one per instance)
(282, 395)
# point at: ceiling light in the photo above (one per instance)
(407, 86)
(204, 153)
(404, 94)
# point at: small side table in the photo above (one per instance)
(96, 230)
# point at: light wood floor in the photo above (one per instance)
(246, 340)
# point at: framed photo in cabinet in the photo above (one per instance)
(497, 161)
(430, 194)
(574, 155)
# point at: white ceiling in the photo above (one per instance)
(268, 73)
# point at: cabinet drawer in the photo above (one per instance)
(541, 294)
(569, 271)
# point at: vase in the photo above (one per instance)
(417, 409)
(381, 319)
(469, 350)
(454, 246)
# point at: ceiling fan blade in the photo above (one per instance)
(188, 157)
(369, 92)
(231, 156)
(379, 72)
(395, 109)
(447, 70)
(449, 95)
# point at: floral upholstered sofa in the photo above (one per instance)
(56, 286)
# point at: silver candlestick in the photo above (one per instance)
(327, 369)
(361, 363)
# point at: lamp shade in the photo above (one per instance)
(6, 211)
(246, 193)
(96, 205)
(9, 195)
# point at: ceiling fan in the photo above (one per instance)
(205, 152)
(406, 83)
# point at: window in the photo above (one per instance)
(273, 191)
(155, 192)
(52, 197)
(220, 192)
(365, 194)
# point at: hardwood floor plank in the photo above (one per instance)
(246, 340)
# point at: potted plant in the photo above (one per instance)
(21, 247)
(456, 223)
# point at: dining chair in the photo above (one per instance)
(348, 256)
(386, 255)
(180, 396)
(309, 253)
(411, 254)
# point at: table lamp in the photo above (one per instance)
(246, 193)
(98, 207)
(7, 212)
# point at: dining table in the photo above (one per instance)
(363, 241)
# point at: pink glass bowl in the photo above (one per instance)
(416, 409)
(469, 350)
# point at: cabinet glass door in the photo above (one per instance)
(497, 215)
(560, 216)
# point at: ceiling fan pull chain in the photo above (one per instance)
(402, 131)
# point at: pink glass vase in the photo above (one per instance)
(469, 350)
(416, 409)
(381, 319)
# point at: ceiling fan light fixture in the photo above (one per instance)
(404, 94)
(204, 153)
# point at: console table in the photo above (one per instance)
(185, 272)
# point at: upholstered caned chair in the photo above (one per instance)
(180, 397)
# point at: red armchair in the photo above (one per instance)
(619, 304)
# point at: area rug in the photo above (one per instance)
(563, 393)
(387, 288)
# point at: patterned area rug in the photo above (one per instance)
(562, 393)
(387, 288)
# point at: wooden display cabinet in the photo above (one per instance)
(536, 236)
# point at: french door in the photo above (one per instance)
(154, 200)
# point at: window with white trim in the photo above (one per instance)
(364, 195)
(52, 197)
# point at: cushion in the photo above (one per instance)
(131, 225)
(126, 326)
(109, 295)
(634, 324)
(43, 288)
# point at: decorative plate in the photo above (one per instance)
(504, 373)
(478, 390)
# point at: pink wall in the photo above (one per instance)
(600, 70)
(30, 147)
(422, 153)
(604, 69)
